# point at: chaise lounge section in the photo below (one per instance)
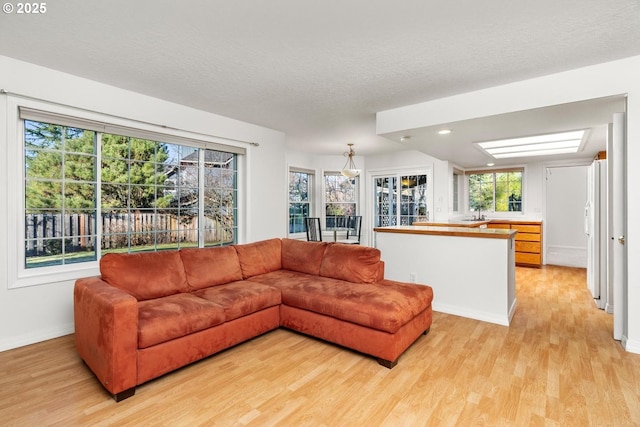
(151, 313)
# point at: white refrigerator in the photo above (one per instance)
(596, 230)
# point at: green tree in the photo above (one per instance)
(132, 173)
(60, 166)
(56, 154)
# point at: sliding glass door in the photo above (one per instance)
(401, 199)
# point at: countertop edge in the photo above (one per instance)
(485, 233)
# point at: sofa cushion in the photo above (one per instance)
(282, 278)
(385, 306)
(353, 263)
(145, 275)
(174, 316)
(206, 267)
(302, 256)
(259, 257)
(241, 298)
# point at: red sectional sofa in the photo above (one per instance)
(151, 313)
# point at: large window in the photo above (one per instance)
(495, 191)
(341, 198)
(300, 185)
(88, 192)
(400, 199)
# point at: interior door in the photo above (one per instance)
(616, 149)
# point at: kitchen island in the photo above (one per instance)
(471, 270)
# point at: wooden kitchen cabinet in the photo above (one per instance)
(528, 240)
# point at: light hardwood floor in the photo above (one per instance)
(556, 365)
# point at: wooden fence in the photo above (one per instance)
(44, 232)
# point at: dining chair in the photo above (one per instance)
(354, 229)
(314, 232)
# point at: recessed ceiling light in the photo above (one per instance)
(490, 164)
(444, 132)
(405, 138)
(541, 145)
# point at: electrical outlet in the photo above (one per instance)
(413, 278)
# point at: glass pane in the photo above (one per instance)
(114, 196)
(79, 167)
(413, 199)
(298, 186)
(43, 195)
(80, 141)
(481, 192)
(115, 170)
(385, 204)
(42, 135)
(114, 146)
(79, 196)
(297, 213)
(340, 189)
(509, 191)
(43, 164)
(43, 252)
(115, 222)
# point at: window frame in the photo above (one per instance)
(457, 190)
(396, 201)
(310, 198)
(356, 195)
(18, 275)
(494, 172)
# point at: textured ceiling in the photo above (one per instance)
(319, 70)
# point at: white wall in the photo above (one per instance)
(41, 312)
(611, 78)
(565, 241)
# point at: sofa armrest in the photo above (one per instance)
(106, 332)
(380, 271)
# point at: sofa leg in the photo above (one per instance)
(387, 363)
(426, 331)
(124, 394)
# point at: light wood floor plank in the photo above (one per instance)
(556, 365)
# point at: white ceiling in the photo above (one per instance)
(320, 70)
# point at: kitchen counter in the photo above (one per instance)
(453, 223)
(449, 230)
(471, 270)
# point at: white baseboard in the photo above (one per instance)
(567, 256)
(35, 337)
(473, 314)
(632, 346)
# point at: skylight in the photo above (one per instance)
(540, 145)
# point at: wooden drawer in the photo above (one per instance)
(524, 228)
(527, 237)
(526, 258)
(532, 247)
(503, 226)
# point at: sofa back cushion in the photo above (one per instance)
(207, 267)
(353, 263)
(145, 275)
(260, 257)
(302, 256)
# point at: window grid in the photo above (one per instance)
(300, 185)
(496, 191)
(148, 195)
(340, 199)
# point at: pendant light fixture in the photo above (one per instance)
(350, 170)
